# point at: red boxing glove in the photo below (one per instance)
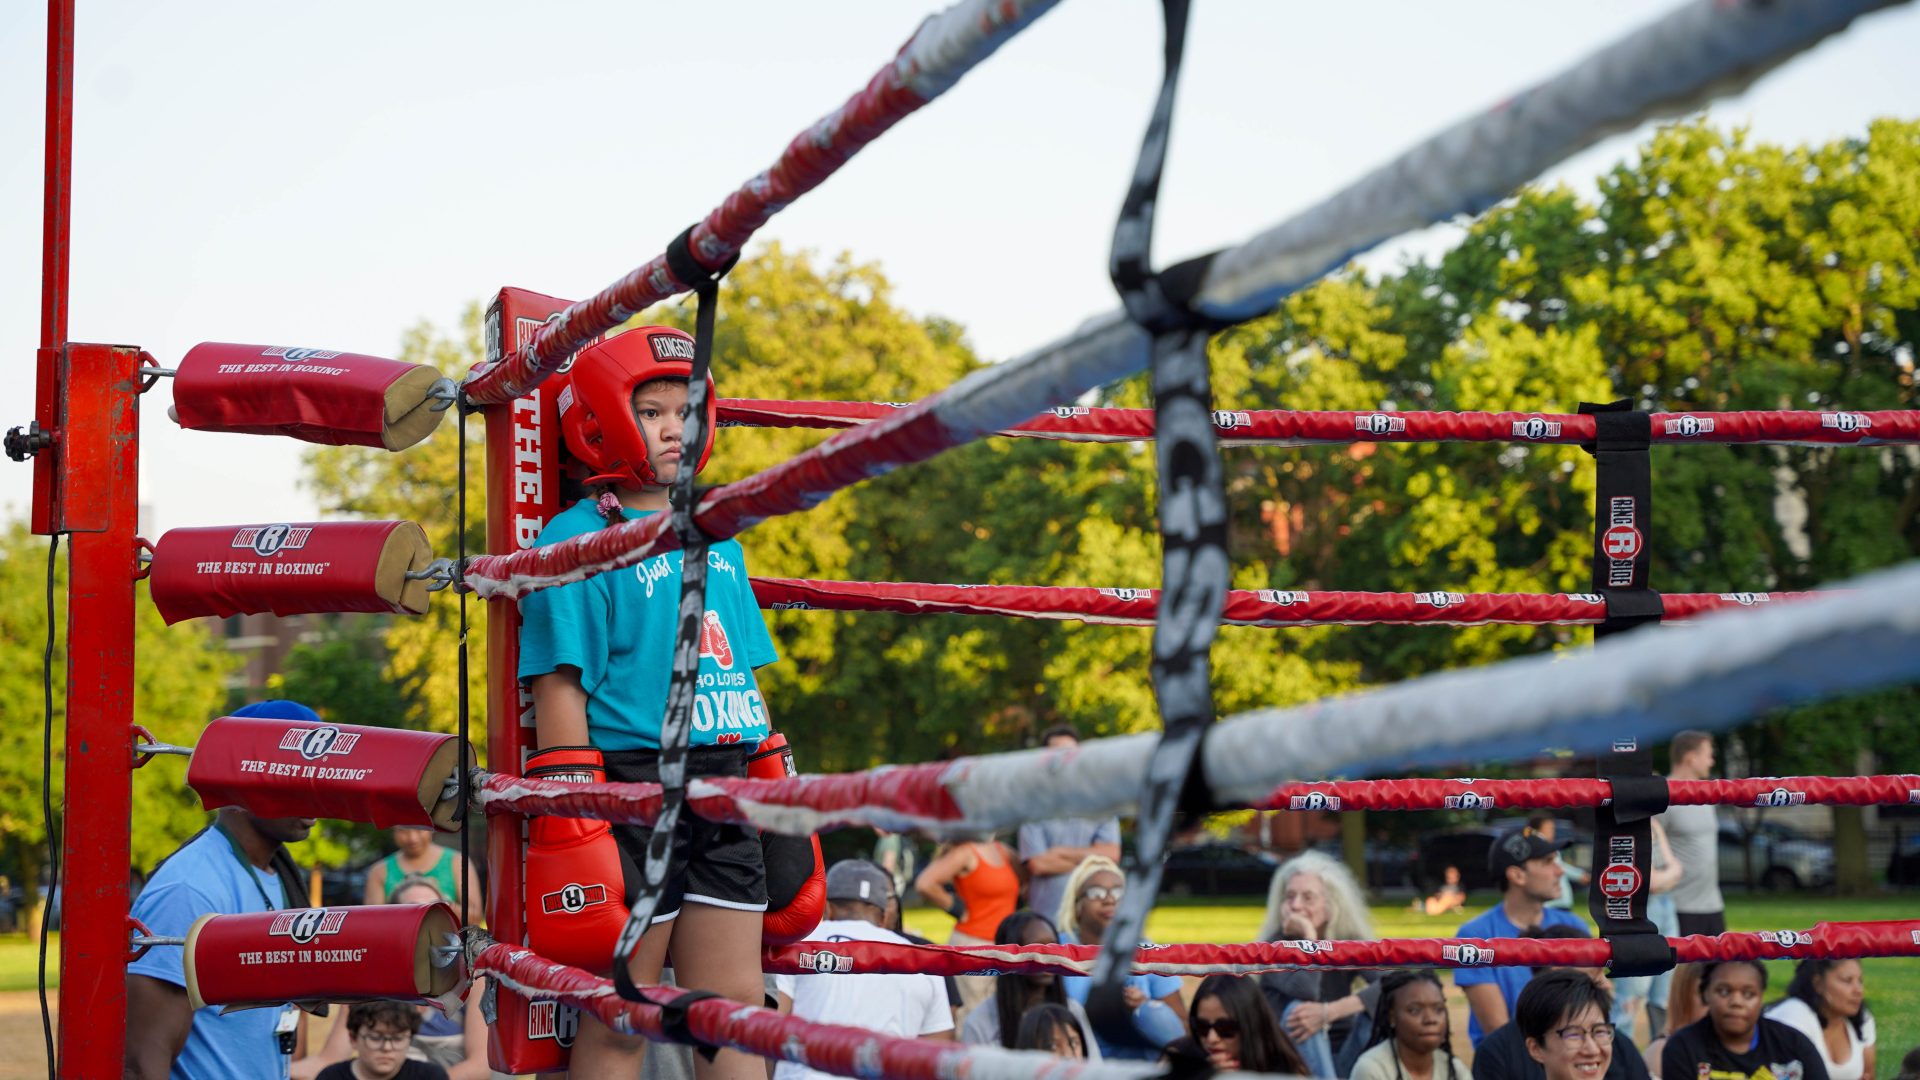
(796, 874)
(578, 880)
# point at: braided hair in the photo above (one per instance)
(1390, 988)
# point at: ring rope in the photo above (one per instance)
(1710, 673)
(1287, 427)
(1827, 940)
(1245, 607)
(945, 47)
(715, 1021)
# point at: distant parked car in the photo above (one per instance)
(1389, 866)
(1784, 858)
(1467, 847)
(1903, 866)
(1217, 870)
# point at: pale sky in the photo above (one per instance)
(327, 175)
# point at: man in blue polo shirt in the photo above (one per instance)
(236, 865)
(1523, 864)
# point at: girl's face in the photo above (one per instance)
(1039, 933)
(1842, 989)
(1733, 1001)
(1066, 1042)
(1580, 1047)
(660, 408)
(1420, 1017)
(1219, 1033)
(1306, 897)
(1099, 898)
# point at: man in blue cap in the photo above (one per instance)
(237, 864)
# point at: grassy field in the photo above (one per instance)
(1893, 986)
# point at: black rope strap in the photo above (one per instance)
(1193, 531)
(676, 727)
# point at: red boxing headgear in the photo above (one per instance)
(596, 402)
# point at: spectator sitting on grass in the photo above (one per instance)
(1910, 1066)
(1505, 1055)
(1234, 1028)
(381, 1032)
(997, 1019)
(1684, 1006)
(1563, 1014)
(1313, 897)
(1053, 1029)
(1448, 897)
(1826, 1002)
(1158, 1015)
(1411, 1032)
(1523, 866)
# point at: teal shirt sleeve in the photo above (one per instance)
(566, 625)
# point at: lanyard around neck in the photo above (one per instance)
(252, 873)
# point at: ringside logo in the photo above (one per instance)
(552, 1020)
(1536, 427)
(1379, 424)
(1440, 599)
(1846, 422)
(1586, 598)
(1621, 541)
(1313, 800)
(1467, 955)
(270, 540)
(671, 347)
(791, 605)
(1746, 599)
(1786, 938)
(826, 963)
(307, 923)
(1688, 426)
(295, 356)
(318, 742)
(1068, 411)
(1469, 800)
(1310, 946)
(1621, 880)
(1227, 421)
(1128, 595)
(573, 898)
(1283, 597)
(1780, 797)
(1625, 746)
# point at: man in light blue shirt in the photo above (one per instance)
(236, 865)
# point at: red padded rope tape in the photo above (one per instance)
(1837, 940)
(942, 50)
(1245, 607)
(1553, 794)
(1248, 427)
(843, 1051)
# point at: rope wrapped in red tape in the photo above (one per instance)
(314, 395)
(1245, 607)
(291, 768)
(322, 954)
(1837, 940)
(1552, 793)
(1286, 427)
(290, 568)
(843, 1051)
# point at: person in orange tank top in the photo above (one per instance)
(978, 883)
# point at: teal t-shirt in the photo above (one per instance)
(618, 628)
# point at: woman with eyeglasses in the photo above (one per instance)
(1158, 1015)
(1827, 1002)
(1234, 1028)
(1563, 1014)
(1733, 1040)
(1411, 1036)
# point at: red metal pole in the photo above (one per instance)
(53, 251)
(100, 461)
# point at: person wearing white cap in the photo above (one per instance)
(906, 1005)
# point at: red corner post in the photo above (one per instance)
(95, 501)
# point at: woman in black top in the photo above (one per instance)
(1733, 1041)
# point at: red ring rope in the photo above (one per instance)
(1561, 793)
(1245, 607)
(1827, 940)
(1288, 427)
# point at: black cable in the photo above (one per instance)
(46, 801)
(460, 565)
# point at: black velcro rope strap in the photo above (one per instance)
(676, 1022)
(1193, 530)
(676, 728)
(1623, 516)
(1622, 873)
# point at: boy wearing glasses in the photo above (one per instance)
(382, 1032)
(1563, 1015)
(1506, 1055)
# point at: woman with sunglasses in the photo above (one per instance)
(1093, 895)
(1412, 1035)
(1233, 1026)
(1734, 1041)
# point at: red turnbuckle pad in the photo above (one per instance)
(314, 395)
(291, 568)
(397, 951)
(293, 768)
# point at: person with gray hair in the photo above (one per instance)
(1326, 1013)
